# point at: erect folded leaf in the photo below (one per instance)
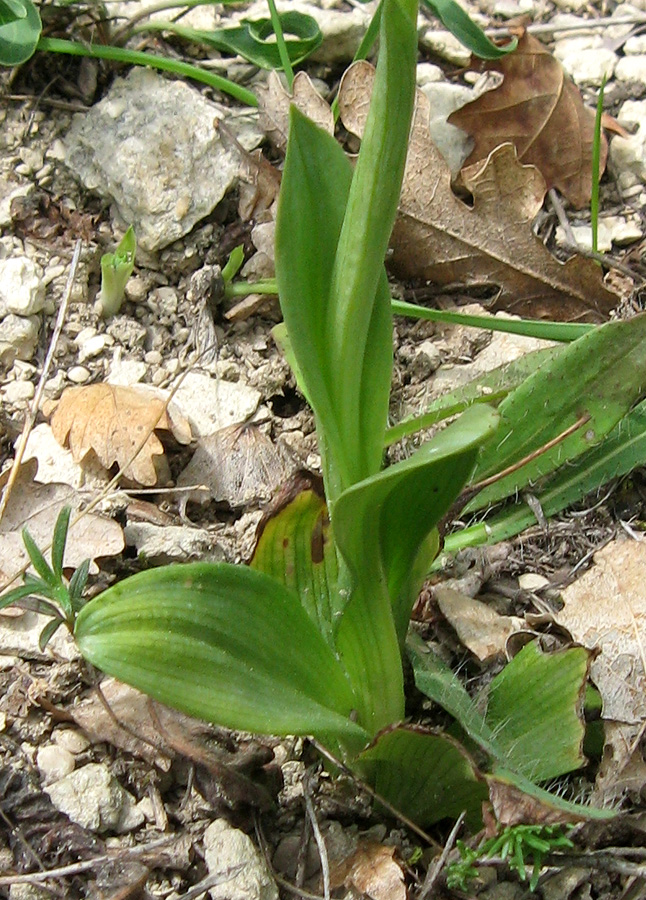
(382, 524)
(602, 375)
(426, 776)
(535, 710)
(294, 545)
(225, 644)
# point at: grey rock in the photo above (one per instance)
(636, 45)
(18, 338)
(22, 291)
(161, 544)
(588, 67)
(93, 798)
(211, 403)
(632, 68)
(427, 72)
(628, 155)
(583, 237)
(569, 46)
(227, 848)
(453, 143)
(150, 145)
(445, 45)
(8, 195)
(54, 762)
(427, 360)
(28, 892)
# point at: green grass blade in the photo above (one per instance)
(490, 388)
(602, 375)
(548, 331)
(596, 166)
(466, 31)
(223, 643)
(620, 453)
(59, 539)
(139, 58)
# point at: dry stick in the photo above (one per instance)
(434, 873)
(397, 814)
(318, 837)
(87, 864)
(574, 247)
(212, 881)
(33, 409)
(547, 28)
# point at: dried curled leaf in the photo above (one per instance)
(540, 111)
(440, 238)
(115, 421)
(274, 102)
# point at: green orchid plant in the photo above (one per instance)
(310, 641)
(312, 637)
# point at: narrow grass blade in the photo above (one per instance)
(601, 375)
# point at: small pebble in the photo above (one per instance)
(70, 739)
(153, 357)
(79, 374)
(17, 391)
(91, 347)
(532, 581)
(54, 762)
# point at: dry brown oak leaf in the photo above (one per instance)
(539, 110)
(114, 422)
(439, 238)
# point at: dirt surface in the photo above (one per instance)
(57, 716)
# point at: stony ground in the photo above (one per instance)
(138, 801)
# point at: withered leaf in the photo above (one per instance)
(239, 465)
(274, 102)
(539, 110)
(372, 870)
(36, 506)
(113, 421)
(441, 239)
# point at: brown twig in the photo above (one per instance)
(434, 872)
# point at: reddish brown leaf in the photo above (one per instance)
(539, 110)
(441, 239)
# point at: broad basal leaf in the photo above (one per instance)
(440, 238)
(425, 775)
(20, 28)
(535, 710)
(540, 111)
(225, 644)
(294, 545)
(600, 375)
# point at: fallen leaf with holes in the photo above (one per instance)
(605, 610)
(371, 870)
(480, 628)
(439, 238)
(539, 109)
(238, 464)
(274, 103)
(36, 506)
(113, 422)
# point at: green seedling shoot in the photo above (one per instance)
(49, 592)
(116, 269)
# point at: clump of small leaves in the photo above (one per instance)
(49, 592)
(522, 846)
